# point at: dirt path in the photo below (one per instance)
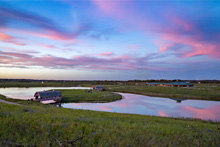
(6, 102)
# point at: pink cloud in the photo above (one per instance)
(175, 29)
(105, 54)
(197, 47)
(110, 7)
(80, 62)
(9, 39)
(5, 37)
(47, 46)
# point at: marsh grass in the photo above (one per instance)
(46, 125)
(85, 96)
(202, 93)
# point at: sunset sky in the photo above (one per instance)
(110, 39)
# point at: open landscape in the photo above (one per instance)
(109, 73)
(33, 124)
(203, 91)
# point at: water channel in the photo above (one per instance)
(134, 104)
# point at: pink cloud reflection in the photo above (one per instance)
(105, 108)
(211, 113)
(163, 113)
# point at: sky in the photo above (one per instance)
(110, 39)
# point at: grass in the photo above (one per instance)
(39, 84)
(202, 92)
(84, 96)
(47, 125)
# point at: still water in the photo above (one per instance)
(146, 105)
(27, 93)
(134, 104)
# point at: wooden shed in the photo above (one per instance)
(48, 95)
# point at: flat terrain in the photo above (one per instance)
(200, 92)
(86, 96)
(34, 124)
(204, 91)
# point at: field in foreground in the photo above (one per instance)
(33, 124)
(85, 96)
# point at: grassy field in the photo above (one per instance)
(205, 91)
(34, 124)
(202, 92)
(85, 96)
(39, 84)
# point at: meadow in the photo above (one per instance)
(85, 96)
(204, 91)
(35, 124)
(200, 92)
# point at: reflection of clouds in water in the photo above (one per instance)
(138, 104)
(104, 108)
(212, 113)
(209, 113)
(162, 113)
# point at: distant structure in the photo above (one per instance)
(98, 88)
(48, 95)
(172, 84)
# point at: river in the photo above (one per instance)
(134, 104)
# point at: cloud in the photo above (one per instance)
(5, 37)
(79, 62)
(105, 54)
(9, 39)
(44, 27)
(187, 32)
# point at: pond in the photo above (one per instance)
(135, 104)
(27, 93)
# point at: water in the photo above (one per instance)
(134, 104)
(146, 105)
(27, 93)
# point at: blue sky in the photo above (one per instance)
(110, 39)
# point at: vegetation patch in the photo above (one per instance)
(91, 96)
(47, 125)
(200, 92)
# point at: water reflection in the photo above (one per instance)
(27, 93)
(134, 104)
(145, 105)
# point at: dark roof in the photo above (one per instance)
(48, 93)
(172, 83)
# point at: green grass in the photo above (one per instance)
(39, 84)
(202, 92)
(47, 125)
(84, 96)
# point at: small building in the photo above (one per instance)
(172, 84)
(48, 95)
(98, 88)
